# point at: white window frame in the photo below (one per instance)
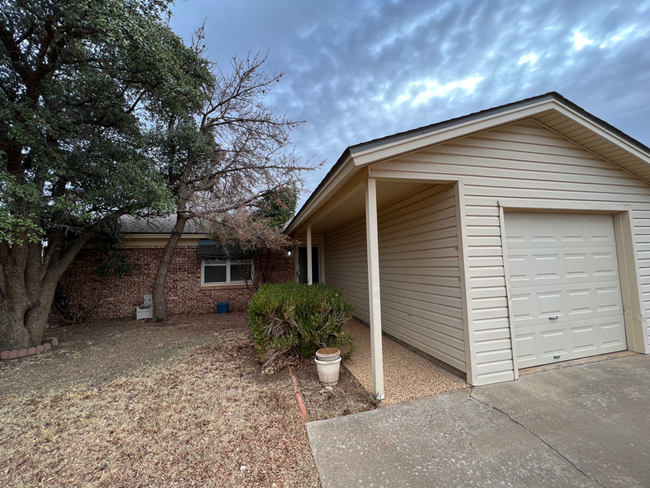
(228, 264)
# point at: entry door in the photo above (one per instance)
(302, 265)
(566, 293)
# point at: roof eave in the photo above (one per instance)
(396, 144)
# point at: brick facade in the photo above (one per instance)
(107, 298)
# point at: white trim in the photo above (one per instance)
(544, 206)
(310, 271)
(374, 293)
(506, 271)
(636, 322)
(412, 177)
(227, 265)
(392, 149)
(465, 285)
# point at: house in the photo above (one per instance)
(202, 273)
(510, 238)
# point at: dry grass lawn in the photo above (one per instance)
(207, 418)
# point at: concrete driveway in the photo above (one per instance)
(580, 426)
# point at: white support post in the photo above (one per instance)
(372, 239)
(310, 278)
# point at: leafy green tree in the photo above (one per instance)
(79, 82)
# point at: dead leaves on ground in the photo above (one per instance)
(193, 422)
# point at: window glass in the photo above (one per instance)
(227, 270)
(240, 272)
(214, 274)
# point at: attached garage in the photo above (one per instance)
(507, 239)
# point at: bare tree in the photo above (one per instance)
(233, 153)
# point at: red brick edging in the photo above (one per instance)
(46, 346)
(301, 403)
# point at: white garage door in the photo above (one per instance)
(566, 293)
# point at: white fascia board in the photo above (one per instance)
(343, 172)
(420, 141)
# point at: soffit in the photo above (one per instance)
(597, 144)
(354, 207)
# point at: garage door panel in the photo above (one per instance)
(565, 289)
(580, 301)
(601, 230)
(554, 342)
(584, 338)
(526, 348)
(608, 299)
(570, 301)
(613, 334)
(573, 231)
(604, 264)
(576, 265)
(560, 266)
(521, 307)
(548, 303)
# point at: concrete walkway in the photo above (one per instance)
(582, 426)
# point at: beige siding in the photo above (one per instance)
(345, 265)
(420, 284)
(527, 163)
(420, 278)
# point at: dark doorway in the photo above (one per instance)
(302, 264)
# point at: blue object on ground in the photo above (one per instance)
(222, 307)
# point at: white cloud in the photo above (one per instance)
(529, 58)
(580, 40)
(427, 89)
(628, 33)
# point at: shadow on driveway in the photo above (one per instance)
(583, 426)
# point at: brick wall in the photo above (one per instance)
(106, 298)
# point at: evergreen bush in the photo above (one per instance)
(300, 318)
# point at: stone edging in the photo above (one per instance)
(46, 346)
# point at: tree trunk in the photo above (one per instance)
(23, 322)
(30, 283)
(159, 303)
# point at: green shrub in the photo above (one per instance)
(298, 317)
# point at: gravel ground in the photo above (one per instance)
(407, 375)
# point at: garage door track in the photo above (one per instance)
(580, 426)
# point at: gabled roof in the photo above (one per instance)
(491, 111)
(551, 109)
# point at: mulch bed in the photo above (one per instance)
(125, 403)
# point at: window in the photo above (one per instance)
(227, 270)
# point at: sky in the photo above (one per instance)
(360, 70)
